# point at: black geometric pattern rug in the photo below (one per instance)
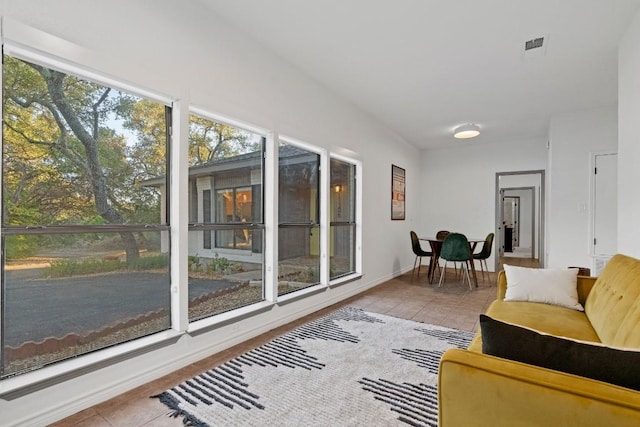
(348, 368)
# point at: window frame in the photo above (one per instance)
(83, 360)
(319, 224)
(205, 323)
(234, 192)
(213, 226)
(351, 223)
(85, 73)
(357, 273)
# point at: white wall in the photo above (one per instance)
(573, 138)
(458, 184)
(181, 50)
(629, 141)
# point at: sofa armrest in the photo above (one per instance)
(475, 389)
(584, 283)
(502, 284)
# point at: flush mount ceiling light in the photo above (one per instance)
(468, 130)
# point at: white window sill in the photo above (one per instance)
(60, 371)
(295, 295)
(228, 317)
(345, 279)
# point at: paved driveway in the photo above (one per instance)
(36, 309)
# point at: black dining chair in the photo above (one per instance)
(419, 252)
(440, 235)
(485, 253)
(456, 248)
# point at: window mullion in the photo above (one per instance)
(271, 218)
(358, 217)
(325, 184)
(179, 214)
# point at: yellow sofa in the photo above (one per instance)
(475, 389)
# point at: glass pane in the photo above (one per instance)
(225, 238)
(298, 246)
(222, 282)
(232, 206)
(298, 185)
(224, 206)
(343, 191)
(206, 218)
(342, 214)
(299, 260)
(226, 171)
(76, 152)
(343, 254)
(69, 294)
(243, 207)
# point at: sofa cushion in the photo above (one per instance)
(613, 305)
(546, 318)
(547, 286)
(599, 362)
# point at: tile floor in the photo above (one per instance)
(452, 305)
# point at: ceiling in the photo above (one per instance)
(422, 67)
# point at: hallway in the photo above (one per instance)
(520, 262)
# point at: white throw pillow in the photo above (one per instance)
(548, 286)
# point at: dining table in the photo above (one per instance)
(436, 246)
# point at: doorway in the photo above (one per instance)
(604, 201)
(520, 218)
(510, 222)
(519, 221)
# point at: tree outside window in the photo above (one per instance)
(81, 231)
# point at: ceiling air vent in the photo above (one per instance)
(534, 43)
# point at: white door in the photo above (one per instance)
(605, 212)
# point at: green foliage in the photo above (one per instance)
(43, 168)
(221, 265)
(83, 155)
(78, 152)
(150, 263)
(194, 262)
(94, 220)
(51, 176)
(68, 268)
(210, 140)
(313, 274)
(20, 247)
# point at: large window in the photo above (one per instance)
(343, 218)
(298, 218)
(226, 240)
(85, 241)
(86, 250)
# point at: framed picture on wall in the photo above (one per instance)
(397, 192)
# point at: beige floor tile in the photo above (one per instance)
(91, 421)
(453, 305)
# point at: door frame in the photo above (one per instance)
(592, 196)
(541, 219)
(533, 215)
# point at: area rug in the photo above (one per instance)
(348, 368)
